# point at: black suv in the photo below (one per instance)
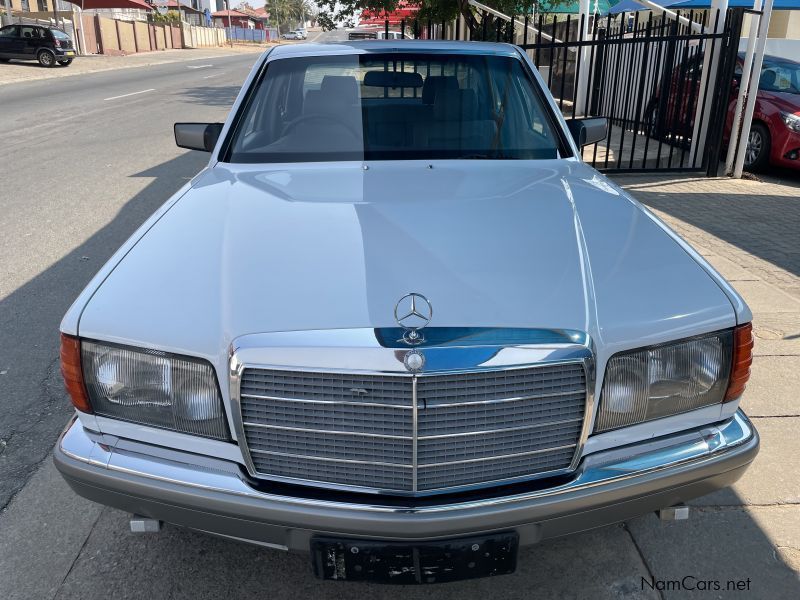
(32, 42)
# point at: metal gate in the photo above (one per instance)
(665, 84)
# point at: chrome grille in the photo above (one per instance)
(470, 429)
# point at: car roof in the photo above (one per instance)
(774, 59)
(382, 46)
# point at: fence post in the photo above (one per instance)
(709, 73)
(724, 79)
(583, 33)
(598, 71)
(386, 28)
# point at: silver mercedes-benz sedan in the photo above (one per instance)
(397, 324)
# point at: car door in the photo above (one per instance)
(31, 40)
(10, 42)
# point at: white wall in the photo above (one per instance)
(777, 47)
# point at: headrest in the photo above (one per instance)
(456, 105)
(434, 83)
(392, 79)
(767, 79)
(341, 89)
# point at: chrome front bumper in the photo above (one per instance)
(212, 495)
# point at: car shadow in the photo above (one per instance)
(27, 63)
(766, 226)
(34, 404)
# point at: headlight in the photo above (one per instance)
(154, 388)
(665, 380)
(791, 121)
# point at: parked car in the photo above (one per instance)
(291, 35)
(47, 45)
(775, 131)
(262, 360)
(302, 33)
(362, 34)
(392, 35)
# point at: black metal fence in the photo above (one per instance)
(665, 84)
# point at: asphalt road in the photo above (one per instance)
(85, 160)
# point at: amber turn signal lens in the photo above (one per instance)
(742, 359)
(73, 374)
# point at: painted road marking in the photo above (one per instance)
(198, 66)
(212, 75)
(131, 94)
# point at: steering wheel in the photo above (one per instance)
(328, 119)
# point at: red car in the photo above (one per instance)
(775, 132)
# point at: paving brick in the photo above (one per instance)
(717, 545)
(729, 269)
(763, 298)
(773, 476)
(599, 564)
(774, 387)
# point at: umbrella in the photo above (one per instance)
(633, 6)
(600, 7)
(778, 5)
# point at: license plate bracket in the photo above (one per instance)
(414, 562)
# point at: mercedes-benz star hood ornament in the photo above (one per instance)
(413, 312)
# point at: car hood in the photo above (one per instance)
(785, 101)
(541, 244)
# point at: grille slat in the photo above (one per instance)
(358, 430)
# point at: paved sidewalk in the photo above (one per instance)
(750, 231)
(18, 71)
(56, 545)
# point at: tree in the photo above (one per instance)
(171, 16)
(438, 11)
(285, 13)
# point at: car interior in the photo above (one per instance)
(436, 110)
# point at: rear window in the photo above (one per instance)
(59, 35)
(395, 106)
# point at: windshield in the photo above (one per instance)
(780, 77)
(395, 106)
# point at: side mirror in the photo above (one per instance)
(197, 136)
(588, 131)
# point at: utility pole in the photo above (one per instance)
(230, 27)
(8, 9)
